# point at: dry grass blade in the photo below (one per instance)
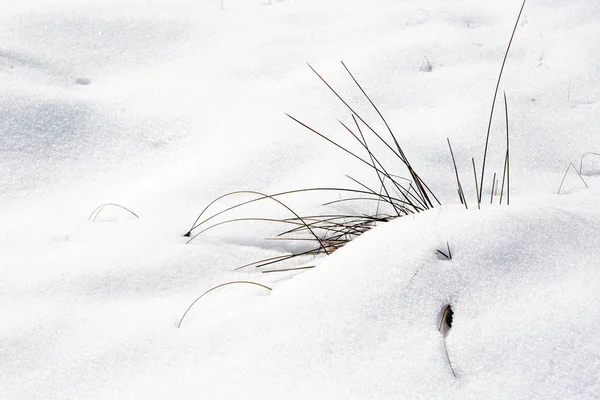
(197, 223)
(581, 162)
(487, 138)
(377, 170)
(381, 171)
(446, 315)
(476, 188)
(443, 254)
(288, 269)
(265, 196)
(565, 176)
(281, 258)
(374, 162)
(461, 193)
(283, 221)
(214, 288)
(101, 207)
(492, 191)
(421, 185)
(332, 232)
(506, 170)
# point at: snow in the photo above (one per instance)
(163, 106)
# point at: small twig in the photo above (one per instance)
(216, 287)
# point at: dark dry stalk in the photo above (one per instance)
(280, 258)
(503, 176)
(354, 229)
(336, 144)
(346, 150)
(492, 192)
(99, 209)
(374, 192)
(382, 180)
(400, 156)
(444, 254)
(280, 203)
(449, 252)
(487, 138)
(329, 218)
(461, 193)
(263, 260)
(343, 228)
(374, 162)
(403, 157)
(355, 113)
(415, 177)
(506, 157)
(476, 188)
(288, 269)
(243, 219)
(274, 260)
(353, 199)
(216, 287)
(400, 152)
(196, 224)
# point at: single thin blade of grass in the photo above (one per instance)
(248, 219)
(444, 254)
(476, 188)
(503, 176)
(101, 207)
(492, 191)
(217, 287)
(461, 194)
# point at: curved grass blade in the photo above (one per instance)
(99, 209)
(214, 288)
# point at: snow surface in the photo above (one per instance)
(163, 106)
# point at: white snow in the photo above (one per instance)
(163, 106)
